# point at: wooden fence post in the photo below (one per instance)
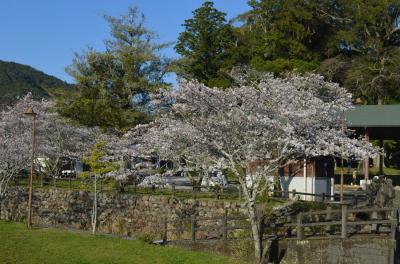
(173, 189)
(194, 191)
(355, 198)
(344, 221)
(165, 231)
(393, 234)
(323, 197)
(393, 229)
(180, 228)
(289, 229)
(375, 227)
(328, 218)
(298, 227)
(293, 193)
(225, 225)
(193, 227)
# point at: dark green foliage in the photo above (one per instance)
(292, 29)
(17, 80)
(370, 39)
(113, 86)
(206, 44)
(375, 77)
(352, 42)
(289, 35)
(96, 163)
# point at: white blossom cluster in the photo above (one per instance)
(155, 180)
(56, 139)
(274, 120)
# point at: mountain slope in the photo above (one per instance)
(17, 80)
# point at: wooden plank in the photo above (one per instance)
(344, 222)
(197, 219)
(322, 212)
(366, 210)
(238, 227)
(328, 218)
(165, 231)
(370, 222)
(207, 228)
(331, 223)
(299, 228)
(225, 225)
(237, 218)
(193, 228)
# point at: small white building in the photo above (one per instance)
(311, 176)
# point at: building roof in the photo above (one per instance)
(378, 116)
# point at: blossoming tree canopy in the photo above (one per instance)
(56, 138)
(275, 120)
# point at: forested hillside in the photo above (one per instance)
(17, 79)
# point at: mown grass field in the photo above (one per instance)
(19, 245)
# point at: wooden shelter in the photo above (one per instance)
(375, 122)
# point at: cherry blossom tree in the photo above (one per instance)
(56, 139)
(14, 151)
(268, 119)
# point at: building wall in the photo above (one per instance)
(313, 185)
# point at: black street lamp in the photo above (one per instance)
(31, 113)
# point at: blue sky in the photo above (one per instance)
(45, 33)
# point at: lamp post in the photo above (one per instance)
(32, 114)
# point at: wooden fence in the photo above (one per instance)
(353, 198)
(221, 225)
(345, 218)
(317, 223)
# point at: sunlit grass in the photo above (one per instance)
(19, 245)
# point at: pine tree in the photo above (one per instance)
(206, 44)
(113, 86)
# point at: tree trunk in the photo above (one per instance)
(255, 229)
(249, 195)
(94, 212)
(1, 202)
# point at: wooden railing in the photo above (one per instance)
(389, 217)
(220, 224)
(344, 218)
(354, 198)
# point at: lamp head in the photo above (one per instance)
(30, 112)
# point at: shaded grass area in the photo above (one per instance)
(19, 245)
(372, 171)
(391, 173)
(231, 194)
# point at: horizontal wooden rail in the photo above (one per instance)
(344, 222)
(221, 225)
(224, 224)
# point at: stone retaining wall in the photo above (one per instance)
(357, 250)
(128, 214)
(123, 214)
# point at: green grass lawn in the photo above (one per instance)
(391, 173)
(19, 245)
(110, 186)
(372, 171)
